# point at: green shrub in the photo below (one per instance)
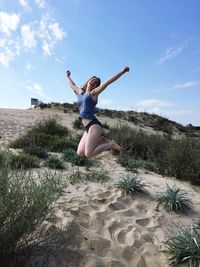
(137, 143)
(58, 144)
(24, 204)
(71, 156)
(76, 177)
(19, 161)
(184, 247)
(147, 164)
(44, 105)
(31, 140)
(23, 161)
(132, 185)
(49, 126)
(173, 199)
(47, 134)
(105, 126)
(128, 162)
(98, 177)
(54, 162)
(183, 160)
(132, 164)
(94, 176)
(77, 124)
(178, 158)
(40, 152)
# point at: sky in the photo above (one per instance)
(159, 40)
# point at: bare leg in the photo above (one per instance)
(94, 145)
(81, 146)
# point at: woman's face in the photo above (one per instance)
(93, 83)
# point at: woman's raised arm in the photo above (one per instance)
(72, 83)
(101, 87)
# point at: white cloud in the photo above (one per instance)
(3, 42)
(171, 52)
(57, 32)
(180, 112)
(44, 33)
(105, 103)
(6, 56)
(41, 3)
(28, 36)
(47, 48)
(8, 22)
(38, 90)
(24, 4)
(29, 66)
(181, 86)
(153, 103)
(10, 49)
(50, 33)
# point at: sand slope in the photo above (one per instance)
(113, 230)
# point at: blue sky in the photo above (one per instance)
(159, 40)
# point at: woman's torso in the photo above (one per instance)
(87, 103)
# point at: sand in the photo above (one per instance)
(113, 230)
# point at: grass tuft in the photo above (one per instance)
(93, 176)
(132, 185)
(184, 247)
(18, 161)
(54, 162)
(174, 199)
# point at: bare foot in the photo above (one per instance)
(115, 146)
(103, 140)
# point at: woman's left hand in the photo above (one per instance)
(68, 73)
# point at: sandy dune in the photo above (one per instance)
(113, 230)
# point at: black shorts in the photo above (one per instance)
(95, 121)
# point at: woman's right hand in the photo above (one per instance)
(126, 69)
(68, 73)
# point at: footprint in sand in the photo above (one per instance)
(143, 221)
(96, 220)
(125, 213)
(117, 206)
(149, 223)
(113, 227)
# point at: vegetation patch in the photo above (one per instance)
(54, 162)
(93, 176)
(18, 161)
(71, 156)
(77, 124)
(39, 152)
(132, 185)
(48, 134)
(184, 247)
(178, 158)
(174, 199)
(24, 205)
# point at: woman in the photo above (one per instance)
(92, 143)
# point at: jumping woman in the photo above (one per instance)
(92, 143)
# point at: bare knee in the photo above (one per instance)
(89, 153)
(81, 153)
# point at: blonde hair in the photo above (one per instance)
(83, 88)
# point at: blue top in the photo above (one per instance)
(86, 106)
